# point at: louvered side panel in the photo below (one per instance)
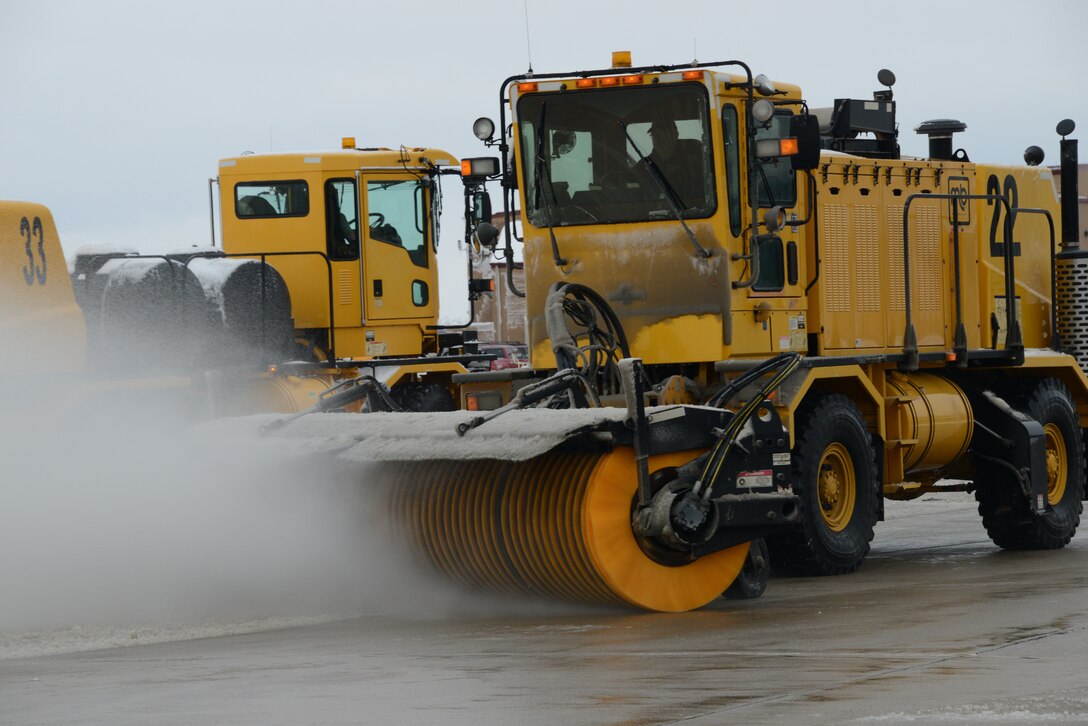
(345, 293)
(869, 321)
(837, 276)
(867, 259)
(894, 228)
(836, 243)
(894, 295)
(928, 276)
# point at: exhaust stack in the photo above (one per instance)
(1070, 193)
(1071, 264)
(940, 133)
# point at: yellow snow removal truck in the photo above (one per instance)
(354, 234)
(748, 318)
(282, 318)
(300, 299)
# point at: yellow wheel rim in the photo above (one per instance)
(627, 570)
(1057, 464)
(836, 486)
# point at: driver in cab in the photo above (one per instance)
(678, 161)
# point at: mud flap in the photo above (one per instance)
(1014, 440)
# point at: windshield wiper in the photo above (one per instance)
(767, 185)
(538, 178)
(671, 197)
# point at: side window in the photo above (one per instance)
(776, 178)
(420, 293)
(261, 200)
(342, 219)
(732, 166)
(397, 216)
(772, 273)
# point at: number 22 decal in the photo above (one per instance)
(997, 247)
(34, 269)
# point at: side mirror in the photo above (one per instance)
(764, 85)
(486, 236)
(806, 129)
(481, 208)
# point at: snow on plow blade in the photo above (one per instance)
(413, 436)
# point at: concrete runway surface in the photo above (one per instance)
(938, 626)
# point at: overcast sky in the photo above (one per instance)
(114, 114)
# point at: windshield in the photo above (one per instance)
(624, 155)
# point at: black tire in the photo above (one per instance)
(423, 397)
(752, 580)
(1005, 509)
(835, 477)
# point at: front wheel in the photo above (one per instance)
(752, 580)
(423, 397)
(835, 478)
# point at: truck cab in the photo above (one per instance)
(354, 233)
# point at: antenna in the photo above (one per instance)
(528, 45)
(694, 51)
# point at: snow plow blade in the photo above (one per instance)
(540, 503)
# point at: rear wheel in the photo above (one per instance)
(835, 477)
(1005, 509)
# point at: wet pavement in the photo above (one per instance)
(939, 626)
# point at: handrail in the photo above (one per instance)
(1055, 339)
(1014, 343)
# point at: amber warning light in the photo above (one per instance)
(771, 148)
(480, 167)
(481, 284)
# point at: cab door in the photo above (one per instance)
(399, 270)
